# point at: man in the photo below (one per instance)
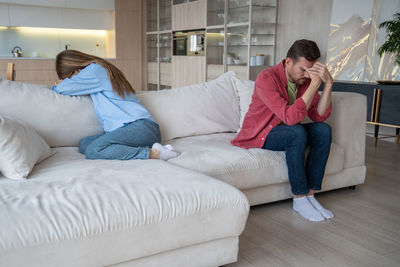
(284, 94)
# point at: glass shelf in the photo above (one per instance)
(165, 22)
(237, 44)
(215, 12)
(238, 11)
(263, 6)
(152, 61)
(262, 34)
(165, 44)
(263, 24)
(215, 44)
(151, 10)
(159, 44)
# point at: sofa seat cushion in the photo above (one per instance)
(99, 212)
(243, 168)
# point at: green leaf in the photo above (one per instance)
(392, 44)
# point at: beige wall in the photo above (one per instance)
(302, 19)
(129, 34)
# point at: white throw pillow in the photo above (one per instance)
(245, 89)
(21, 147)
(204, 108)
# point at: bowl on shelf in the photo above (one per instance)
(236, 61)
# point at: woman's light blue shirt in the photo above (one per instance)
(112, 111)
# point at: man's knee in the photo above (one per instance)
(323, 131)
(297, 135)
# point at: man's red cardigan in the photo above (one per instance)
(269, 107)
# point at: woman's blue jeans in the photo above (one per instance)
(294, 140)
(131, 141)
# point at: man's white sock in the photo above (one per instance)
(326, 213)
(305, 209)
(165, 153)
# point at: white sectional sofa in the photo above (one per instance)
(184, 212)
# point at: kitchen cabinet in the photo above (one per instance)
(158, 44)
(87, 4)
(188, 70)
(4, 20)
(240, 36)
(189, 16)
(52, 17)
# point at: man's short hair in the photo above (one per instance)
(304, 48)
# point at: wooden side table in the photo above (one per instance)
(375, 114)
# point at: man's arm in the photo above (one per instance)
(325, 100)
(312, 89)
(319, 73)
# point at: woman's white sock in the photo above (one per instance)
(165, 153)
(169, 147)
(306, 209)
(326, 213)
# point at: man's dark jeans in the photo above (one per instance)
(294, 140)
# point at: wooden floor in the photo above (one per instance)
(364, 232)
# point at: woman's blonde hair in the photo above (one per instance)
(69, 61)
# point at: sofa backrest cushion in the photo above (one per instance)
(204, 108)
(60, 120)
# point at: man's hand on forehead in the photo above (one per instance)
(313, 73)
(322, 72)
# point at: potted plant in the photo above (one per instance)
(392, 44)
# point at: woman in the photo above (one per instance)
(130, 130)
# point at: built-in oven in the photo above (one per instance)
(188, 43)
(179, 44)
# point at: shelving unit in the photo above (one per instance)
(246, 28)
(236, 31)
(159, 44)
